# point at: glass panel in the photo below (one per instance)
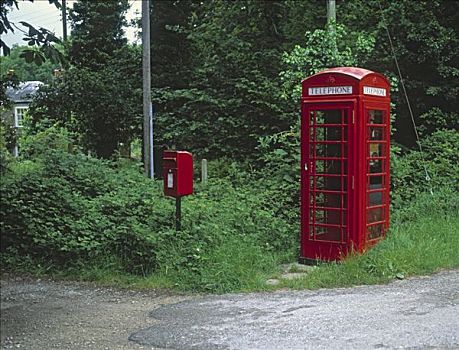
(376, 133)
(328, 150)
(376, 180)
(330, 183)
(323, 216)
(328, 233)
(375, 231)
(376, 117)
(329, 116)
(311, 231)
(375, 215)
(376, 165)
(326, 133)
(330, 200)
(374, 198)
(377, 149)
(330, 166)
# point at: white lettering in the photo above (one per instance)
(330, 90)
(369, 90)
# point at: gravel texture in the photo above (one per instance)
(418, 313)
(45, 314)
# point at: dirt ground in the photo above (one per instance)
(46, 314)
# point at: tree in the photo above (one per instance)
(426, 44)
(41, 41)
(99, 96)
(231, 97)
(26, 71)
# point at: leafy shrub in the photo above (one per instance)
(69, 210)
(409, 176)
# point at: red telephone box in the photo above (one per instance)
(345, 134)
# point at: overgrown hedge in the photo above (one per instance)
(68, 210)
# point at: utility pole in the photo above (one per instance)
(64, 19)
(331, 11)
(331, 23)
(147, 107)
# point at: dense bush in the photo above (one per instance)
(68, 210)
(435, 169)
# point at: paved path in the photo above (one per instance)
(420, 313)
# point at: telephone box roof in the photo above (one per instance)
(354, 72)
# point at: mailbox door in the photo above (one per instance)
(170, 182)
(170, 166)
(327, 179)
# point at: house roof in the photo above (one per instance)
(24, 92)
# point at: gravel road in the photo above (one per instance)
(45, 314)
(418, 313)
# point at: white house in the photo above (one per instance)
(21, 98)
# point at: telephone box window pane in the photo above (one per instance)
(328, 150)
(376, 133)
(318, 198)
(329, 200)
(320, 230)
(326, 133)
(323, 216)
(375, 231)
(330, 183)
(375, 215)
(374, 198)
(329, 116)
(377, 149)
(376, 117)
(330, 166)
(377, 180)
(376, 166)
(326, 233)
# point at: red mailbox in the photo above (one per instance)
(177, 173)
(345, 133)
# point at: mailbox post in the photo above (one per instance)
(178, 179)
(345, 134)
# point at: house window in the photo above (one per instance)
(19, 113)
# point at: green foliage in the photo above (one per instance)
(39, 143)
(99, 96)
(97, 32)
(435, 119)
(439, 158)
(324, 48)
(26, 71)
(425, 39)
(231, 97)
(5, 155)
(68, 210)
(41, 41)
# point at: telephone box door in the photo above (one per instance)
(327, 179)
